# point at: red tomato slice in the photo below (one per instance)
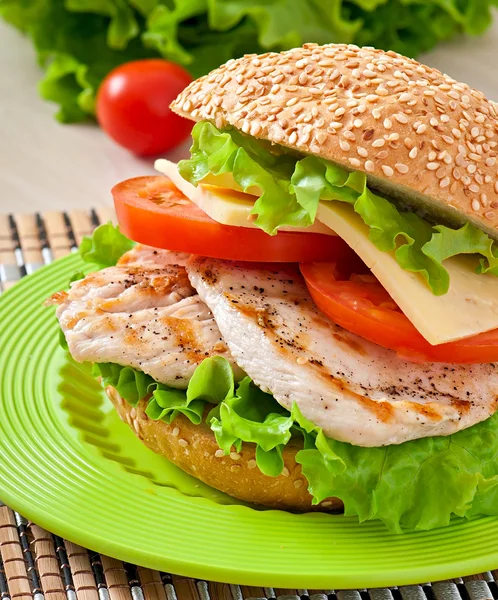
(151, 210)
(352, 297)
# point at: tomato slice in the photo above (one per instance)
(347, 292)
(151, 210)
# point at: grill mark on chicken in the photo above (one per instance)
(355, 390)
(142, 313)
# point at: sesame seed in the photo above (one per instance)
(251, 464)
(301, 360)
(368, 74)
(471, 168)
(475, 205)
(409, 143)
(388, 172)
(388, 123)
(495, 187)
(285, 472)
(175, 432)
(434, 122)
(339, 112)
(474, 188)
(401, 118)
(484, 200)
(234, 455)
(326, 503)
(393, 137)
(349, 135)
(298, 483)
(445, 182)
(489, 215)
(421, 128)
(183, 443)
(401, 168)
(355, 162)
(378, 143)
(362, 151)
(432, 166)
(490, 161)
(358, 123)
(447, 139)
(376, 113)
(219, 453)
(413, 152)
(291, 101)
(235, 468)
(335, 125)
(369, 166)
(405, 97)
(382, 155)
(474, 132)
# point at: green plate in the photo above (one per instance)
(70, 465)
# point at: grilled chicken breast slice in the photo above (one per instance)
(142, 313)
(354, 390)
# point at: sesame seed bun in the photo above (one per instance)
(421, 137)
(193, 448)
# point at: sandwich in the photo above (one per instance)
(304, 313)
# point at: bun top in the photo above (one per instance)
(420, 136)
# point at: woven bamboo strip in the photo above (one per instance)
(81, 224)
(30, 242)
(57, 234)
(105, 214)
(219, 591)
(252, 592)
(81, 570)
(186, 589)
(290, 593)
(151, 584)
(47, 564)
(116, 579)
(9, 271)
(12, 557)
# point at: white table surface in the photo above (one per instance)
(48, 166)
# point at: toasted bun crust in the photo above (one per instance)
(193, 448)
(420, 136)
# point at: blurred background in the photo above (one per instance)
(54, 55)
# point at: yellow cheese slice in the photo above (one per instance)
(220, 197)
(470, 307)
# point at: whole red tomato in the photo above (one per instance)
(133, 106)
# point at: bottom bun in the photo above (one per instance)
(193, 448)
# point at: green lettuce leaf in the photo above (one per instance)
(80, 41)
(253, 416)
(420, 484)
(105, 246)
(292, 187)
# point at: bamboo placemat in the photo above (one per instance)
(35, 564)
